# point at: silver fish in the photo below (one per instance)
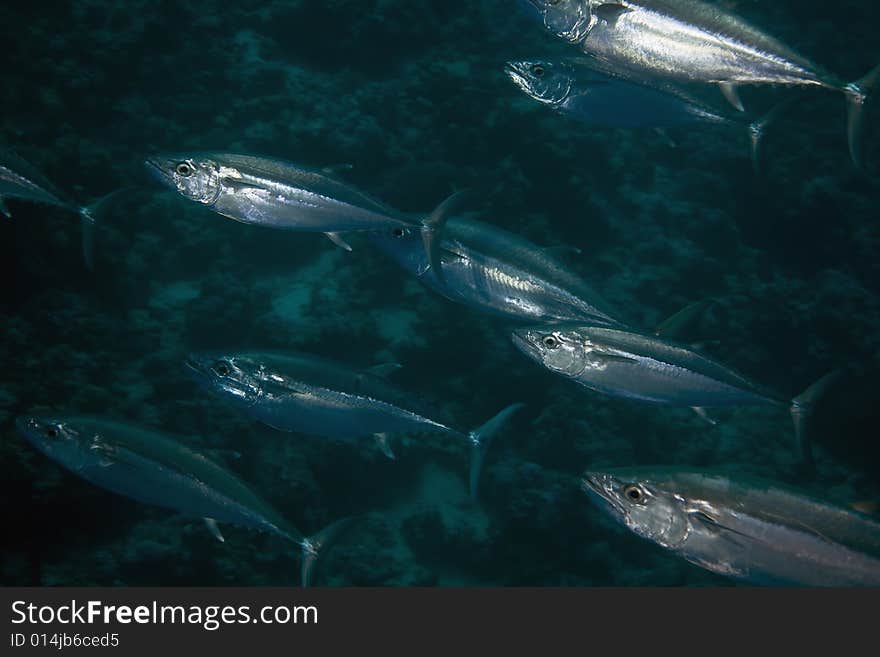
(20, 180)
(650, 368)
(496, 271)
(752, 530)
(305, 394)
(572, 86)
(695, 42)
(157, 469)
(278, 194)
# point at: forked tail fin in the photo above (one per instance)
(858, 94)
(758, 128)
(432, 230)
(802, 410)
(481, 437)
(313, 545)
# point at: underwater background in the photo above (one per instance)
(411, 94)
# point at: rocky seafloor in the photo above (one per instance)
(412, 95)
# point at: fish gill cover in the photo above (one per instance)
(412, 98)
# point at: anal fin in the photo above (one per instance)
(212, 526)
(703, 415)
(384, 445)
(338, 241)
(732, 95)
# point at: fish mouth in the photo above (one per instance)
(195, 367)
(24, 425)
(521, 341)
(593, 484)
(155, 165)
(517, 72)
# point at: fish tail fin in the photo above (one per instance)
(89, 215)
(314, 546)
(432, 229)
(857, 95)
(802, 411)
(480, 438)
(758, 128)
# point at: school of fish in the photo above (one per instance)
(633, 64)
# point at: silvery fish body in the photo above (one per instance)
(302, 393)
(20, 180)
(641, 367)
(152, 468)
(273, 193)
(493, 270)
(156, 469)
(752, 530)
(689, 41)
(649, 368)
(305, 394)
(573, 87)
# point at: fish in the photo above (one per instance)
(305, 394)
(20, 180)
(160, 470)
(498, 272)
(572, 86)
(278, 194)
(655, 369)
(696, 42)
(749, 529)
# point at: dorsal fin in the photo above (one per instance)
(383, 370)
(674, 326)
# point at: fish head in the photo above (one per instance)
(568, 19)
(69, 445)
(235, 376)
(558, 348)
(404, 244)
(644, 506)
(545, 81)
(196, 178)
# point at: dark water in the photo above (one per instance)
(411, 94)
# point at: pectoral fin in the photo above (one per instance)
(703, 415)
(732, 95)
(4, 210)
(338, 241)
(212, 526)
(610, 357)
(241, 186)
(384, 370)
(687, 317)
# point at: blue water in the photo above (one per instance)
(411, 94)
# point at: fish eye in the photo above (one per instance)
(399, 232)
(184, 169)
(550, 341)
(634, 494)
(222, 368)
(538, 71)
(51, 432)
